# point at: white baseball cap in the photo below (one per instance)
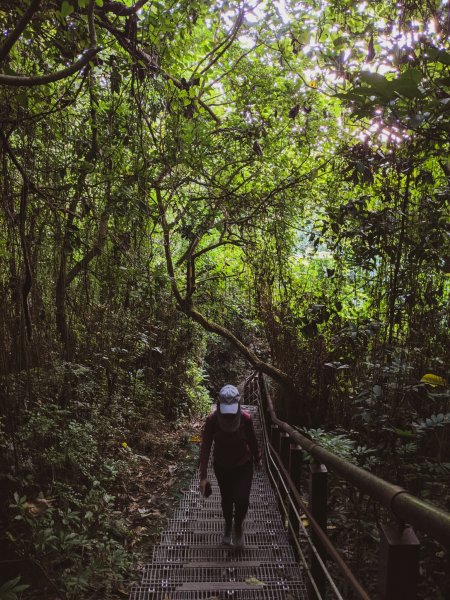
(229, 400)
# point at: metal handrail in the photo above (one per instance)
(297, 503)
(402, 504)
(322, 536)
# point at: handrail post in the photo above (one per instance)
(283, 452)
(295, 469)
(399, 562)
(318, 507)
(275, 442)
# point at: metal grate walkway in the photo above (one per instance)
(190, 563)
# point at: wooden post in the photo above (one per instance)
(275, 436)
(399, 562)
(295, 464)
(284, 448)
(318, 508)
(283, 452)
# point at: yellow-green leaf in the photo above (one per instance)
(433, 380)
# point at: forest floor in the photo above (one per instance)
(153, 486)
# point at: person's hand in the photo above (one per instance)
(203, 483)
(258, 464)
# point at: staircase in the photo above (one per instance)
(190, 563)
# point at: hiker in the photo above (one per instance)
(235, 452)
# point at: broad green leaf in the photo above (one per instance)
(373, 79)
(8, 585)
(303, 37)
(442, 81)
(378, 84)
(407, 84)
(404, 432)
(439, 55)
(66, 8)
(340, 42)
(377, 390)
(10, 589)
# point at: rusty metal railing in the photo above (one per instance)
(399, 546)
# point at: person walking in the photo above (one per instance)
(235, 452)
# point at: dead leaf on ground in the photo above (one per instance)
(152, 512)
(37, 507)
(142, 457)
(254, 581)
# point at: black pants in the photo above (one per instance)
(234, 485)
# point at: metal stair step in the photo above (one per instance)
(220, 553)
(258, 512)
(287, 592)
(201, 525)
(205, 572)
(202, 538)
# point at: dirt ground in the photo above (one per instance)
(159, 470)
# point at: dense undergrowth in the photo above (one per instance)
(71, 474)
(91, 455)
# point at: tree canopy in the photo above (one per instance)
(275, 172)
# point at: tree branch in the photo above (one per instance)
(23, 81)
(169, 262)
(142, 56)
(253, 359)
(21, 25)
(185, 304)
(216, 245)
(91, 25)
(93, 252)
(30, 185)
(28, 278)
(120, 10)
(226, 43)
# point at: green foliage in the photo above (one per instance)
(12, 589)
(86, 545)
(281, 168)
(342, 445)
(433, 421)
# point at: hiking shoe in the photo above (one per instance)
(238, 537)
(226, 539)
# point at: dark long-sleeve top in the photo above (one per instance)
(231, 449)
